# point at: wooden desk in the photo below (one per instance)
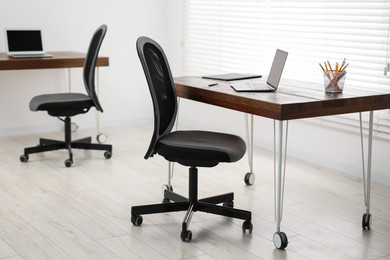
(60, 59)
(293, 100)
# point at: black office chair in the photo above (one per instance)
(66, 105)
(189, 148)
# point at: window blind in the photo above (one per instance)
(222, 36)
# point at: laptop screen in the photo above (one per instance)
(24, 40)
(277, 68)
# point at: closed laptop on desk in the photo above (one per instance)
(24, 43)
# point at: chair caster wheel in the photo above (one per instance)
(186, 235)
(74, 127)
(247, 225)
(167, 187)
(249, 178)
(229, 204)
(136, 220)
(101, 138)
(107, 154)
(280, 240)
(24, 158)
(68, 163)
(366, 221)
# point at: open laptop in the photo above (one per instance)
(24, 43)
(273, 78)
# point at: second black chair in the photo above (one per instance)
(66, 105)
(189, 148)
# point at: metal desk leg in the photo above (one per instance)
(101, 137)
(366, 220)
(249, 178)
(171, 165)
(69, 80)
(73, 125)
(280, 150)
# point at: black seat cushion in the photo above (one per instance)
(201, 148)
(62, 104)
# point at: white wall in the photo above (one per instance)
(69, 25)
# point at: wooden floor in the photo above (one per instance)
(48, 211)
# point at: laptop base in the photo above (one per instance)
(252, 87)
(21, 56)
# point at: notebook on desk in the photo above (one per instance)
(273, 78)
(25, 43)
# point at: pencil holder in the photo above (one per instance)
(334, 81)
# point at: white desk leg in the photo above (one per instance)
(171, 165)
(69, 80)
(101, 137)
(73, 125)
(98, 94)
(280, 150)
(366, 220)
(249, 178)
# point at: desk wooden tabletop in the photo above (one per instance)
(60, 59)
(293, 100)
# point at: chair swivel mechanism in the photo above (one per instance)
(193, 149)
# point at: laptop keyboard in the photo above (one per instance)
(252, 85)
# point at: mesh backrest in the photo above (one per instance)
(161, 88)
(90, 65)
